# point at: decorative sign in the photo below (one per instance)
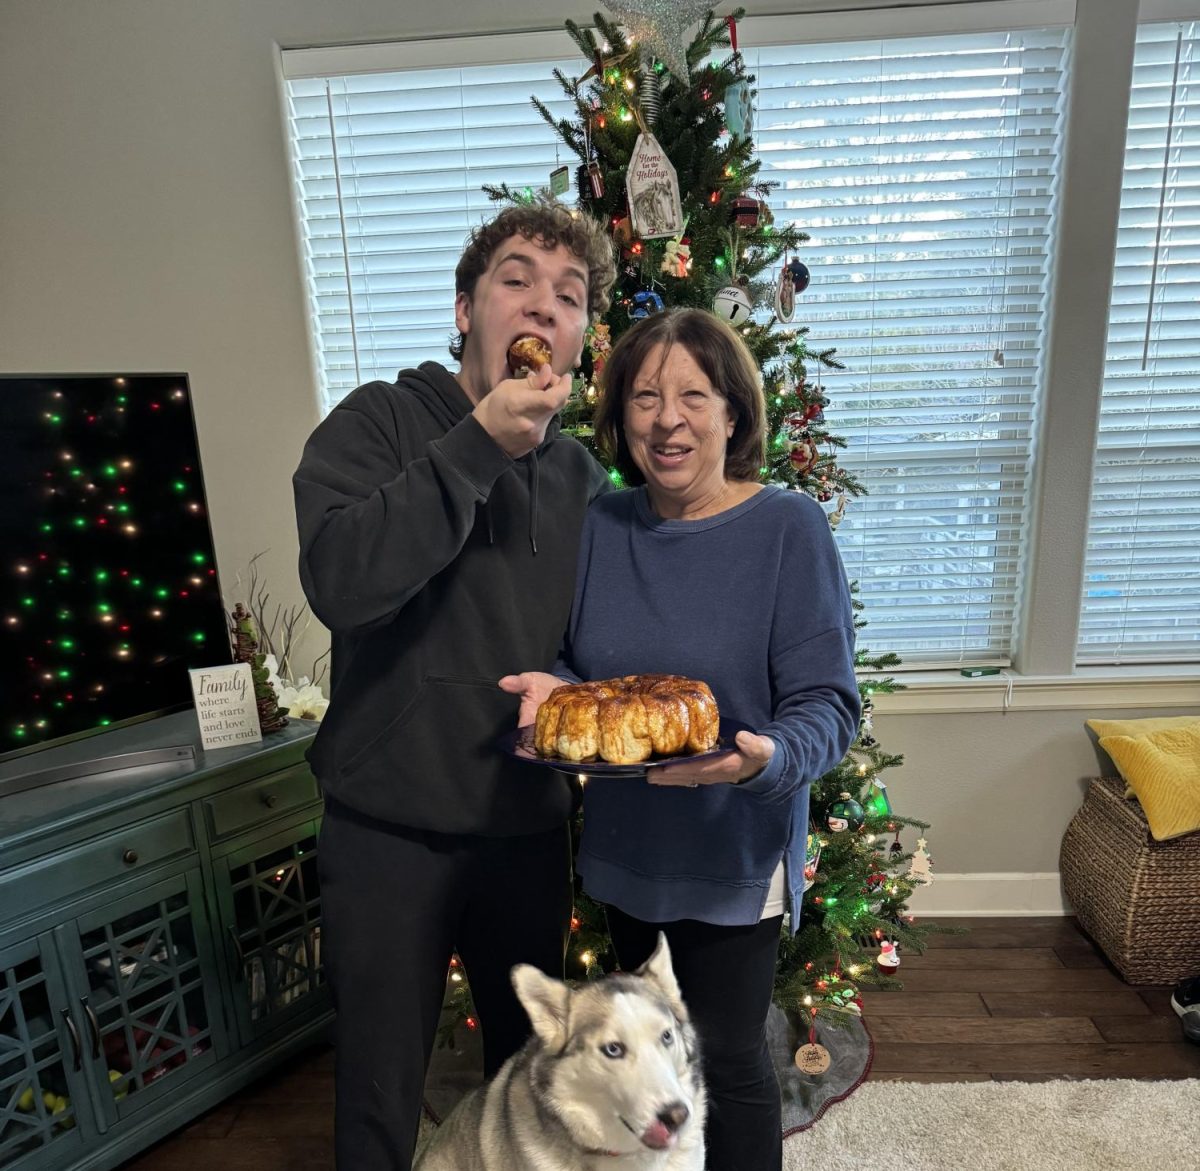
(225, 705)
(560, 180)
(653, 190)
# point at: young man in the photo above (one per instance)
(439, 522)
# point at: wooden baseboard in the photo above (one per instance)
(1004, 893)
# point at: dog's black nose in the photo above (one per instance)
(674, 1116)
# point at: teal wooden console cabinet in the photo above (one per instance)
(160, 938)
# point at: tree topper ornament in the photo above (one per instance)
(659, 25)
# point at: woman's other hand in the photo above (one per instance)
(753, 753)
(533, 687)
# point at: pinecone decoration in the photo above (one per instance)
(271, 717)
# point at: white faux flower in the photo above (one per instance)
(304, 701)
(272, 672)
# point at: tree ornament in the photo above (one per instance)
(845, 813)
(732, 304)
(739, 113)
(803, 454)
(865, 739)
(649, 91)
(653, 191)
(644, 303)
(799, 274)
(599, 344)
(595, 178)
(888, 959)
(785, 296)
(920, 872)
(677, 259)
(878, 804)
(813, 1059)
(839, 512)
(560, 180)
(745, 211)
(812, 859)
(659, 26)
(896, 848)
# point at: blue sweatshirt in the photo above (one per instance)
(754, 601)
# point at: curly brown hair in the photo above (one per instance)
(550, 223)
(727, 363)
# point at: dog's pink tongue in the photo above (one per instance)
(656, 1136)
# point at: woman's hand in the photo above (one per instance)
(753, 753)
(533, 687)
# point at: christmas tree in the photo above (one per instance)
(692, 227)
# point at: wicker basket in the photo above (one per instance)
(1137, 898)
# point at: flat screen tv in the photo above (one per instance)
(108, 583)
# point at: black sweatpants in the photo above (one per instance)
(726, 976)
(395, 903)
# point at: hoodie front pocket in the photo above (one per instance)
(451, 721)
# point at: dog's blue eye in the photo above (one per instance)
(613, 1049)
(668, 1038)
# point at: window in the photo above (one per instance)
(390, 168)
(1142, 568)
(923, 168)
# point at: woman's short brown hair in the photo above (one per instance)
(727, 363)
(552, 223)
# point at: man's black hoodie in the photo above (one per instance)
(438, 564)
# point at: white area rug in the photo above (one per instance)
(1006, 1126)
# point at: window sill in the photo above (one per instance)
(1092, 690)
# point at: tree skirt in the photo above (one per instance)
(457, 1069)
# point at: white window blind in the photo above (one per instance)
(923, 170)
(389, 171)
(1141, 597)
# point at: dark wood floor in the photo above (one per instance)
(1025, 999)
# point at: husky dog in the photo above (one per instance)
(609, 1081)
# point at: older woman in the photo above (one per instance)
(701, 570)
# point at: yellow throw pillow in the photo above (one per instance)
(1163, 769)
(1140, 727)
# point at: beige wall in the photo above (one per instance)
(145, 223)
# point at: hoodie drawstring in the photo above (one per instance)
(533, 500)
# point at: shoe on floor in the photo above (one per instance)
(1185, 1000)
(1186, 995)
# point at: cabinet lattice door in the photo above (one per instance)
(150, 983)
(38, 1096)
(274, 920)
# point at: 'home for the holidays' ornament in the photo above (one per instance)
(653, 190)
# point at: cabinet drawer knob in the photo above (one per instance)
(270, 800)
(129, 857)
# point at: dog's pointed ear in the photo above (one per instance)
(545, 1000)
(658, 970)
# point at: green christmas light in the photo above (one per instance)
(197, 636)
(110, 470)
(122, 508)
(46, 528)
(64, 571)
(199, 558)
(67, 644)
(162, 592)
(19, 733)
(27, 602)
(102, 575)
(63, 673)
(80, 522)
(135, 581)
(76, 473)
(104, 608)
(104, 723)
(179, 486)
